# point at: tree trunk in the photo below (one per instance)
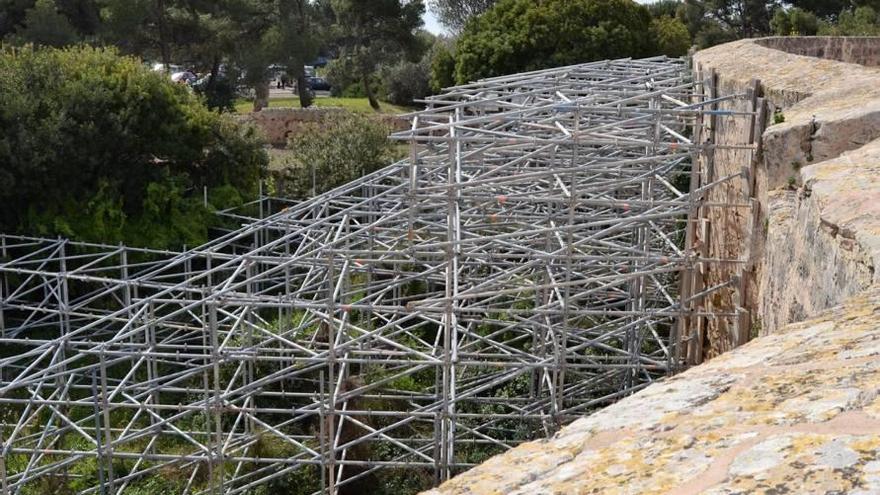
(261, 95)
(369, 91)
(302, 87)
(215, 72)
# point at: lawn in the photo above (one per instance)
(353, 104)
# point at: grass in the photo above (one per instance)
(353, 104)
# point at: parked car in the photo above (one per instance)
(318, 83)
(185, 77)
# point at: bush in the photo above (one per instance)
(96, 147)
(406, 81)
(341, 149)
(523, 35)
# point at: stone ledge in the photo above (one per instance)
(795, 412)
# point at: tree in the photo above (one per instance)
(300, 23)
(43, 25)
(862, 21)
(374, 32)
(671, 36)
(12, 14)
(746, 18)
(824, 8)
(84, 15)
(455, 14)
(704, 29)
(139, 27)
(794, 22)
(96, 147)
(662, 8)
(522, 35)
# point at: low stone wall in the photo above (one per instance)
(278, 124)
(862, 50)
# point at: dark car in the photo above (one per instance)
(318, 84)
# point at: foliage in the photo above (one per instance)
(374, 32)
(455, 14)
(794, 22)
(745, 18)
(48, 21)
(407, 81)
(44, 25)
(345, 79)
(712, 33)
(824, 8)
(94, 146)
(442, 68)
(706, 26)
(671, 36)
(862, 21)
(332, 153)
(662, 8)
(250, 34)
(522, 35)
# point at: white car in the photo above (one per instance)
(184, 77)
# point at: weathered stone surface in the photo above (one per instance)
(799, 260)
(793, 412)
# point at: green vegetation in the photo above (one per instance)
(373, 32)
(96, 147)
(455, 14)
(333, 153)
(671, 36)
(862, 21)
(794, 22)
(522, 35)
(778, 117)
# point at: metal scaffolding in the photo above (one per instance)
(535, 258)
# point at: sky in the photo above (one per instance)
(431, 23)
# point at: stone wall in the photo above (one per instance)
(863, 50)
(278, 124)
(817, 110)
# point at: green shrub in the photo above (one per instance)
(331, 153)
(94, 146)
(406, 81)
